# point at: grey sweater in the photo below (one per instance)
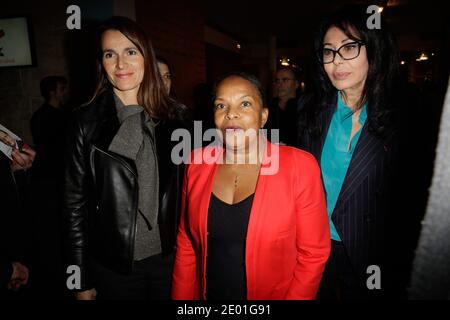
(135, 140)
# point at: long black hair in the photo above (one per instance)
(382, 78)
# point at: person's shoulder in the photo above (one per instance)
(293, 151)
(301, 164)
(181, 109)
(181, 114)
(204, 155)
(198, 152)
(201, 160)
(40, 112)
(273, 102)
(95, 109)
(297, 155)
(83, 113)
(304, 100)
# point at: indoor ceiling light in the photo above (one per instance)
(423, 57)
(284, 61)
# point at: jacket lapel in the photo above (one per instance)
(208, 183)
(207, 186)
(107, 126)
(108, 123)
(316, 145)
(367, 152)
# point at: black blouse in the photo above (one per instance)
(225, 266)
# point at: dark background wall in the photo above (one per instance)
(59, 51)
(176, 30)
(19, 87)
(204, 39)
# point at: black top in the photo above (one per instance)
(9, 209)
(48, 127)
(284, 120)
(225, 267)
(14, 233)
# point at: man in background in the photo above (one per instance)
(283, 108)
(48, 124)
(48, 127)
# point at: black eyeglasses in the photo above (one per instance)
(348, 51)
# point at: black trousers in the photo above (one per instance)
(151, 279)
(339, 281)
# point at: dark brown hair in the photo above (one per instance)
(49, 84)
(151, 95)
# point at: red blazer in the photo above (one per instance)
(288, 237)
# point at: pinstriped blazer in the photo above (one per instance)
(366, 197)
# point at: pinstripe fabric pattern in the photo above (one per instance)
(363, 200)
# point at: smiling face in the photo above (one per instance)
(123, 64)
(239, 112)
(346, 75)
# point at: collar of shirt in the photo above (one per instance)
(344, 112)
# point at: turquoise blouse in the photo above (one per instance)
(336, 155)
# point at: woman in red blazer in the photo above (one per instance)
(255, 230)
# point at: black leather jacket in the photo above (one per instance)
(101, 190)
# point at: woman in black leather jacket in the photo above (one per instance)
(121, 187)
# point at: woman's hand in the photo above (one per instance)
(22, 160)
(90, 294)
(19, 276)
